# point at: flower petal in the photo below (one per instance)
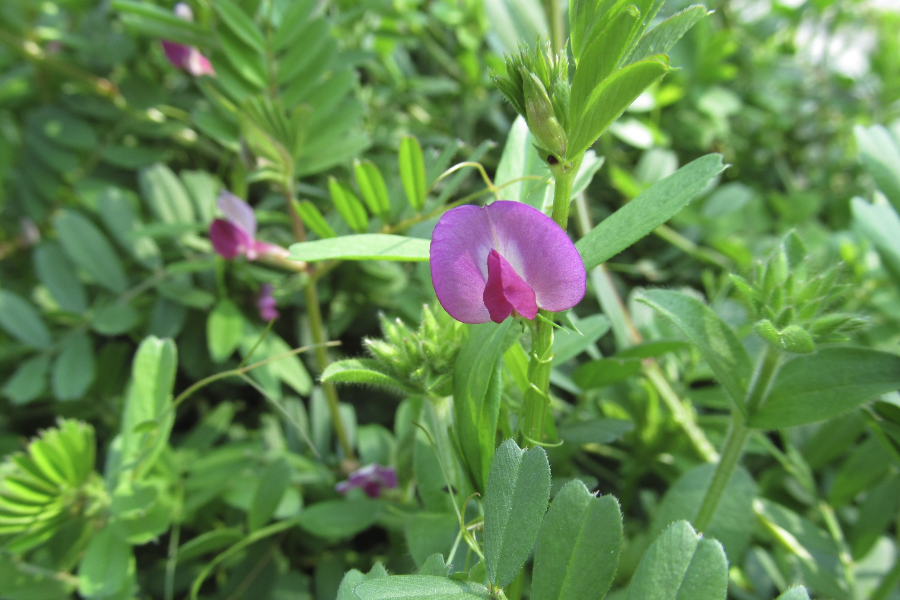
(266, 304)
(460, 244)
(197, 64)
(228, 239)
(258, 249)
(238, 212)
(506, 291)
(176, 53)
(540, 252)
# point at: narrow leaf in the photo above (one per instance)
(412, 172)
(879, 152)
(73, 371)
(273, 483)
(224, 329)
(610, 99)
(367, 246)
(820, 386)
(242, 25)
(714, 339)
(313, 219)
(652, 208)
(348, 205)
(372, 187)
(661, 38)
(363, 371)
(58, 275)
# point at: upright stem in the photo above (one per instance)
(537, 397)
(557, 24)
(737, 437)
(317, 329)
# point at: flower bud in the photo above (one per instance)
(541, 116)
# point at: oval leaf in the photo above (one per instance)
(518, 489)
(580, 536)
(22, 321)
(419, 587)
(73, 371)
(90, 250)
(412, 171)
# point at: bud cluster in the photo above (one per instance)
(794, 306)
(537, 85)
(422, 359)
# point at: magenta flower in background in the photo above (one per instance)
(371, 479)
(186, 57)
(235, 235)
(488, 262)
(265, 303)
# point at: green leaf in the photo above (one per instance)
(476, 396)
(679, 565)
(348, 205)
(19, 582)
(714, 339)
(568, 344)
(106, 564)
(594, 431)
(64, 129)
(652, 208)
(879, 152)
(159, 23)
(820, 386)
(313, 219)
(880, 225)
(876, 513)
(729, 524)
(602, 56)
(89, 248)
(606, 371)
(209, 542)
(246, 61)
(516, 496)
(224, 329)
(73, 370)
(58, 275)
(795, 593)
(366, 246)
(166, 195)
(610, 98)
(149, 398)
(419, 587)
(120, 216)
(22, 321)
(335, 519)
(412, 172)
(353, 578)
(578, 549)
(142, 510)
(428, 533)
(662, 37)
(115, 318)
(374, 191)
(243, 26)
(29, 380)
(363, 371)
(273, 483)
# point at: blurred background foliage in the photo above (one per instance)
(110, 164)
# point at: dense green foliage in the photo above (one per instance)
(719, 417)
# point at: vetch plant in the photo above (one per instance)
(371, 479)
(505, 258)
(236, 234)
(184, 57)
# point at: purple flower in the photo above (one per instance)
(186, 57)
(236, 234)
(487, 263)
(370, 479)
(265, 303)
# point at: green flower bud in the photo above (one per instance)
(797, 340)
(541, 117)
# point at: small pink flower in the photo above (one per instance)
(186, 57)
(505, 258)
(265, 303)
(371, 479)
(236, 234)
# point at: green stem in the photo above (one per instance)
(557, 24)
(737, 438)
(314, 313)
(537, 397)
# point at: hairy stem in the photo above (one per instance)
(737, 438)
(537, 397)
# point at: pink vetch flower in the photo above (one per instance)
(265, 303)
(236, 233)
(186, 57)
(371, 479)
(506, 258)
